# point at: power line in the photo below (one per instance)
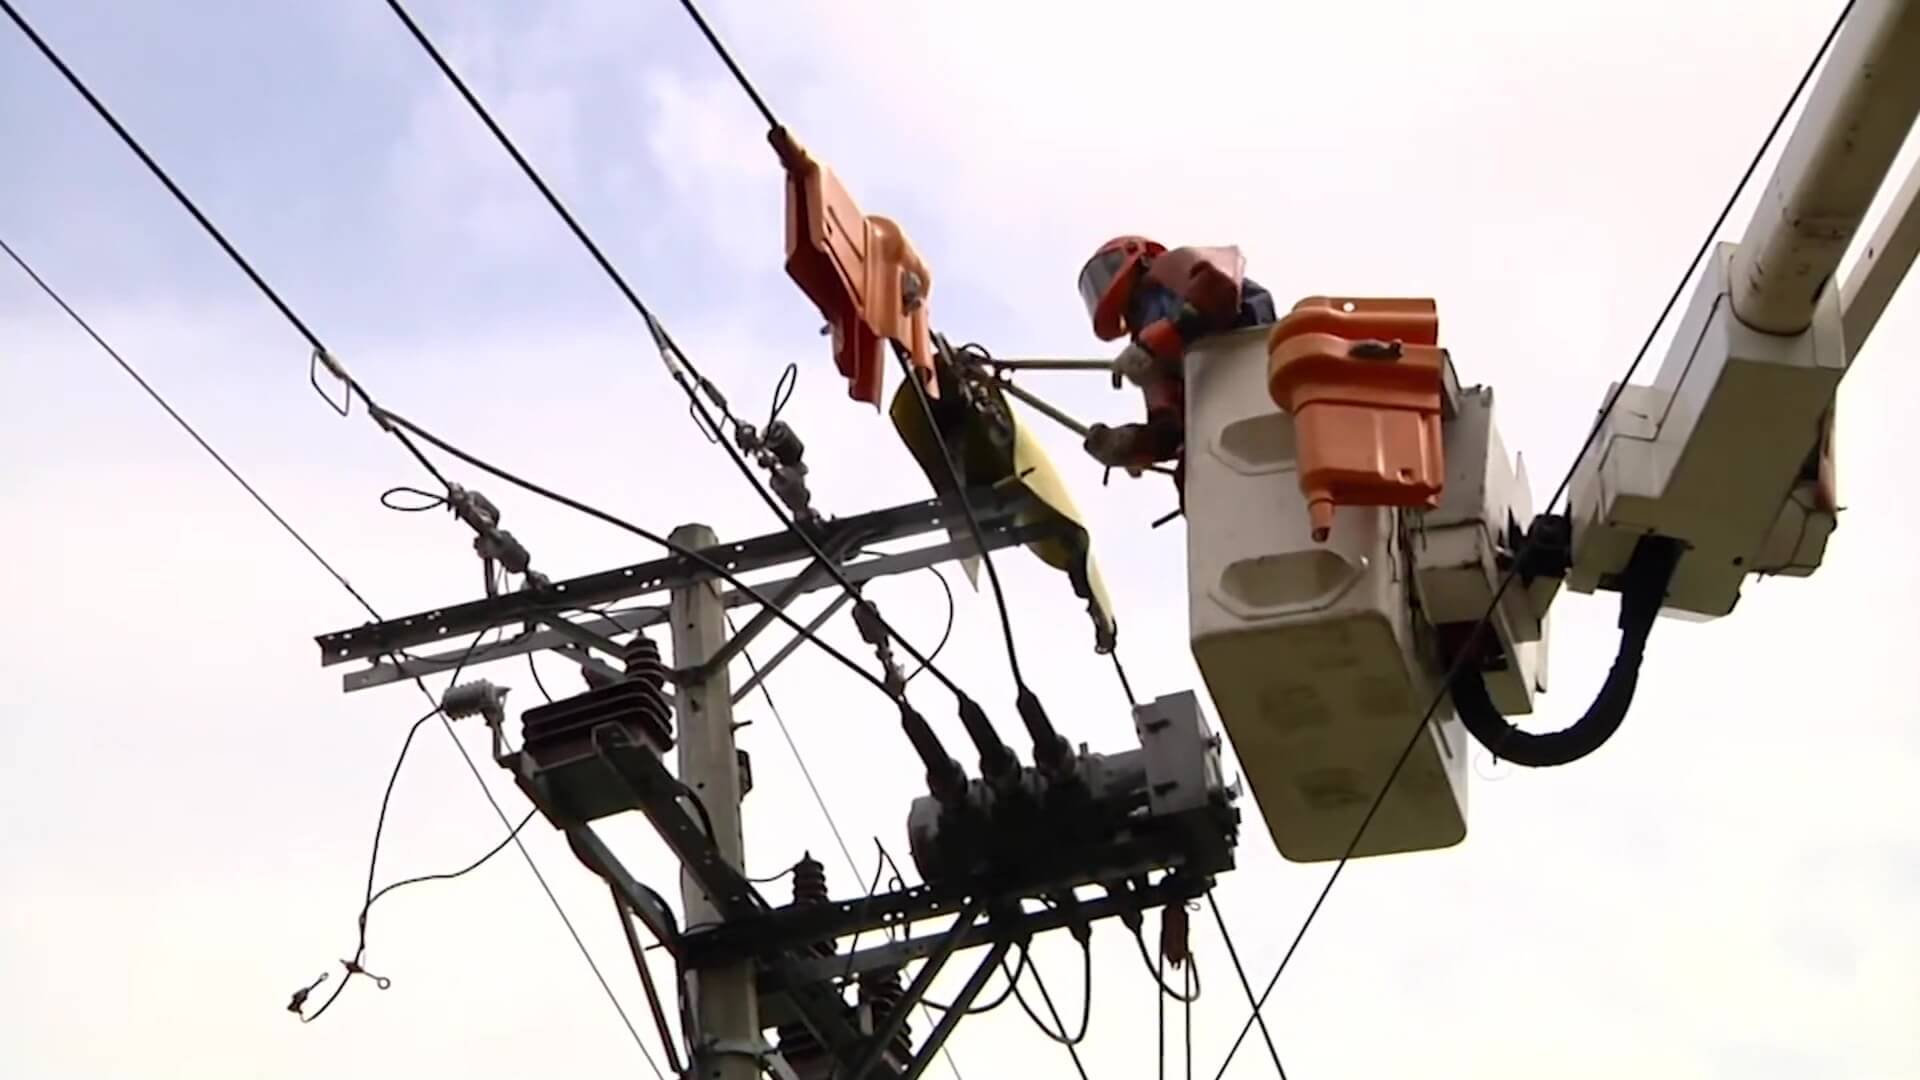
(135, 375)
(1239, 969)
(1646, 345)
(716, 568)
(676, 361)
(959, 495)
(726, 58)
(799, 759)
(1073, 1044)
(321, 355)
(364, 603)
(1029, 704)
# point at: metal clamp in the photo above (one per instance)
(323, 358)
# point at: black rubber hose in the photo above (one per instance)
(1643, 588)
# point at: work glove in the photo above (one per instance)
(1134, 364)
(1112, 447)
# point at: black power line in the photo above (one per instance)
(1646, 345)
(321, 356)
(716, 568)
(320, 351)
(381, 415)
(677, 362)
(726, 58)
(1239, 969)
(135, 375)
(498, 810)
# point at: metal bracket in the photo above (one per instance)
(645, 904)
(766, 668)
(956, 1011)
(659, 794)
(1000, 512)
(1170, 889)
(884, 1031)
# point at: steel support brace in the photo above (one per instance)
(384, 672)
(759, 675)
(556, 640)
(791, 926)
(659, 794)
(956, 1011)
(1172, 889)
(645, 904)
(885, 1030)
(999, 512)
(805, 580)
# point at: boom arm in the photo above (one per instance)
(1729, 452)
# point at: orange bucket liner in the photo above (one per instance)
(1364, 381)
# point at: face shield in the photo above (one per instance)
(1103, 290)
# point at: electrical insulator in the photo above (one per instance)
(881, 992)
(783, 443)
(803, 1052)
(644, 666)
(477, 698)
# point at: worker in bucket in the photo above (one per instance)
(1164, 301)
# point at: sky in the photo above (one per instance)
(186, 796)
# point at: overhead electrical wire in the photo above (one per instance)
(1072, 1045)
(683, 371)
(305, 545)
(1042, 728)
(1619, 387)
(322, 355)
(799, 759)
(1052, 752)
(715, 567)
(726, 58)
(1233, 954)
(1159, 976)
(373, 896)
(161, 401)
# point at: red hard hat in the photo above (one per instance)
(1106, 282)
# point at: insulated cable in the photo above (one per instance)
(1159, 976)
(353, 967)
(1013, 979)
(691, 554)
(726, 58)
(1058, 1032)
(1049, 749)
(321, 355)
(677, 362)
(358, 597)
(1233, 954)
(191, 431)
(1073, 1046)
(1613, 398)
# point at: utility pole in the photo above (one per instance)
(1148, 825)
(726, 1011)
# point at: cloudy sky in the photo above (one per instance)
(186, 797)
